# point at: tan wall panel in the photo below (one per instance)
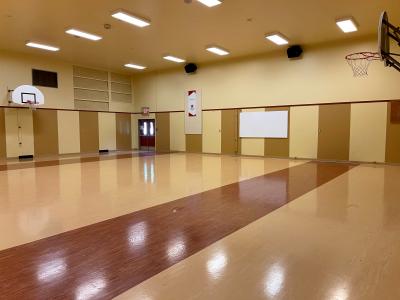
(45, 129)
(19, 141)
(304, 131)
(229, 131)
(107, 131)
(124, 131)
(162, 132)
(212, 131)
(253, 146)
(368, 132)
(3, 149)
(194, 143)
(68, 132)
(278, 147)
(392, 140)
(334, 132)
(89, 131)
(177, 131)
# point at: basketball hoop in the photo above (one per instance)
(360, 62)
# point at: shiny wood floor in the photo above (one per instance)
(6, 166)
(103, 260)
(340, 241)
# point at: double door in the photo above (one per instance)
(147, 135)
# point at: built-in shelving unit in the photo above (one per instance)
(95, 89)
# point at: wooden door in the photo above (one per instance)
(229, 131)
(146, 134)
(334, 132)
(162, 132)
(124, 134)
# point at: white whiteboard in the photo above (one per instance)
(269, 124)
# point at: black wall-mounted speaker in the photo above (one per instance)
(191, 68)
(294, 51)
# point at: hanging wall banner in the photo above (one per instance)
(192, 103)
(193, 115)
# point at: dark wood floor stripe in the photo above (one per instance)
(56, 162)
(103, 260)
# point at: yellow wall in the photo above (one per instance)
(68, 132)
(303, 132)
(15, 118)
(16, 69)
(252, 146)
(177, 131)
(322, 75)
(107, 131)
(212, 131)
(368, 132)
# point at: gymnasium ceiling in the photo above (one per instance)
(178, 28)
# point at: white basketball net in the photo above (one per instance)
(360, 62)
(31, 105)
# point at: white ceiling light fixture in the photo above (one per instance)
(82, 34)
(42, 46)
(134, 66)
(174, 59)
(130, 18)
(210, 3)
(347, 25)
(277, 38)
(217, 50)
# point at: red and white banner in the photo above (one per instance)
(193, 113)
(192, 103)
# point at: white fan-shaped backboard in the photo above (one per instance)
(27, 95)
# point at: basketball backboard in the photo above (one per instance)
(27, 95)
(388, 34)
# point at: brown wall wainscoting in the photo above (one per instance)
(123, 134)
(3, 151)
(89, 131)
(45, 130)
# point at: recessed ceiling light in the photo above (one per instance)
(217, 50)
(210, 3)
(277, 38)
(131, 19)
(42, 46)
(83, 34)
(174, 59)
(133, 66)
(347, 25)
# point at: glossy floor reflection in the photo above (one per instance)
(107, 258)
(340, 241)
(39, 202)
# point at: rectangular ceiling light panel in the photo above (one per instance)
(131, 19)
(82, 34)
(133, 66)
(42, 46)
(218, 50)
(210, 3)
(174, 59)
(347, 25)
(277, 38)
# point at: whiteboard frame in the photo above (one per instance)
(268, 124)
